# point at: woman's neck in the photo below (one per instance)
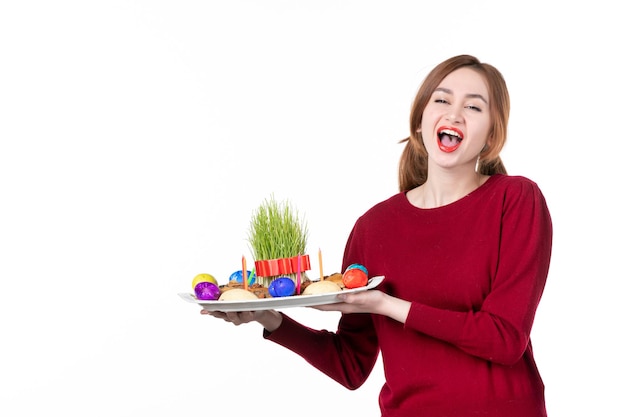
(441, 190)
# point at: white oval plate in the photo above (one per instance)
(278, 302)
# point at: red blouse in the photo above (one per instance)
(474, 271)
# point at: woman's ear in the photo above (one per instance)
(488, 144)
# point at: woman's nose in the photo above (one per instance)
(453, 115)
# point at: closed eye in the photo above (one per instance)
(478, 109)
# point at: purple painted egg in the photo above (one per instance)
(282, 287)
(207, 291)
(357, 266)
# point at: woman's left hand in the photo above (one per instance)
(361, 302)
(371, 301)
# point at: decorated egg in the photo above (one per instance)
(358, 266)
(354, 278)
(282, 287)
(203, 278)
(238, 276)
(207, 291)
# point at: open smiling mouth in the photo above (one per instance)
(449, 138)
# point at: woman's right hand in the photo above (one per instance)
(269, 319)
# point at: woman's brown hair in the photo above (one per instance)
(413, 167)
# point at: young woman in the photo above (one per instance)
(465, 251)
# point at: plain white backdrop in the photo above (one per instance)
(137, 138)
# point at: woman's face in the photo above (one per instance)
(456, 121)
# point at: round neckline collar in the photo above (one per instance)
(461, 201)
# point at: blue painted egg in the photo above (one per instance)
(282, 287)
(238, 276)
(358, 266)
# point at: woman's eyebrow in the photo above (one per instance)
(475, 95)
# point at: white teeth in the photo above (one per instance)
(450, 133)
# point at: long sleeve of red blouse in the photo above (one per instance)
(347, 356)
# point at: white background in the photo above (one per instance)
(137, 138)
